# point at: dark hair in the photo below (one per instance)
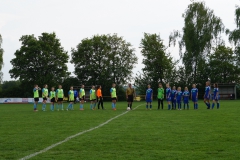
(216, 85)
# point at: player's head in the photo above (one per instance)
(186, 88)
(114, 85)
(45, 86)
(93, 87)
(208, 83)
(82, 86)
(36, 86)
(149, 86)
(215, 85)
(174, 88)
(99, 87)
(130, 85)
(52, 88)
(160, 85)
(71, 88)
(179, 88)
(60, 86)
(167, 85)
(194, 85)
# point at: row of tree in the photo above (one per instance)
(103, 59)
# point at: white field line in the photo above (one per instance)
(73, 136)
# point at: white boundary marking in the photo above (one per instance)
(73, 136)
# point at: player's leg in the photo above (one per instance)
(169, 104)
(94, 104)
(213, 103)
(218, 105)
(161, 103)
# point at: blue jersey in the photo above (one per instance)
(207, 91)
(185, 95)
(168, 93)
(194, 92)
(179, 95)
(173, 94)
(215, 92)
(149, 93)
(75, 93)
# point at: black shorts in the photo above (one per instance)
(93, 100)
(60, 99)
(53, 100)
(115, 98)
(82, 99)
(44, 98)
(130, 98)
(36, 99)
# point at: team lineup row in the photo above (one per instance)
(174, 97)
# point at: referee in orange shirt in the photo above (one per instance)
(130, 94)
(99, 97)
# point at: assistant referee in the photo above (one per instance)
(130, 93)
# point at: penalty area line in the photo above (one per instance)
(73, 136)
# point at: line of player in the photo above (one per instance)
(174, 97)
(57, 96)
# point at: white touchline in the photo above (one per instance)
(73, 136)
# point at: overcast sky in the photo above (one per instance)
(73, 20)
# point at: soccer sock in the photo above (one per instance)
(94, 105)
(180, 105)
(150, 106)
(90, 106)
(131, 105)
(62, 106)
(128, 105)
(43, 106)
(196, 106)
(169, 106)
(34, 106)
(146, 106)
(81, 106)
(218, 105)
(213, 104)
(71, 106)
(187, 106)
(114, 105)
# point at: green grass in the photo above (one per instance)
(139, 134)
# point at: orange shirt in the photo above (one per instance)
(99, 93)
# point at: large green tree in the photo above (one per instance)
(158, 64)
(222, 65)
(40, 60)
(104, 59)
(1, 59)
(201, 31)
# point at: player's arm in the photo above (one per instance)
(111, 92)
(79, 95)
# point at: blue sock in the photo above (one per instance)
(43, 106)
(91, 106)
(169, 106)
(218, 105)
(62, 106)
(197, 106)
(146, 106)
(34, 106)
(213, 104)
(81, 106)
(150, 106)
(94, 105)
(71, 106)
(112, 105)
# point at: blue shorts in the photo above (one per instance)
(216, 98)
(186, 101)
(169, 99)
(207, 97)
(179, 101)
(149, 100)
(194, 99)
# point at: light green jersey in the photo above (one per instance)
(82, 92)
(160, 93)
(92, 94)
(52, 94)
(113, 92)
(60, 93)
(71, 95)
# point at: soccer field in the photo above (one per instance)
(138, 134)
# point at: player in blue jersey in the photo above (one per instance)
(207, 95)
(173, 95)
(179, 98)
(186, 98)
(168, 95)
(215, 96)
(194, 96)
(149, 97)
